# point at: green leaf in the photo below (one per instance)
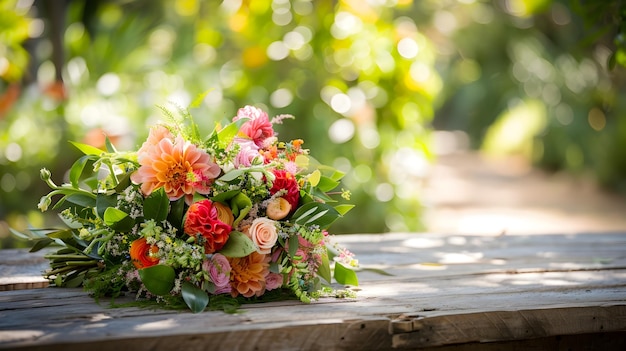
(18, 234)
(327, 184)
(238, 245)
(63, 234)
(199, 99)
(81, 200)
(159, 279)
(227, 134)
(320, 195)
(316, 213)
(324, 269)
(87, 149)
(70, 222)
(196, 298)
(232, 175)
(77, 169)
(109, 145)
(123, 182)
(314, 178)
(74, 282)
(225, 196)
(118, 220)
(177, 212)
(156, 206)
(345, 276)
(303, 161)
(294, 243)
(103, 202)
(40, 244)
(344, 208)
(240, 205)
(337, 175)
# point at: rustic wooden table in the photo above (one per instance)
(446, 292)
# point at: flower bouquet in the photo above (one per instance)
(237, 216)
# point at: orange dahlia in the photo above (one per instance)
(247, 275)
(176, 165)
(142, 254)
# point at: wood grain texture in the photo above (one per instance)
(445, 292)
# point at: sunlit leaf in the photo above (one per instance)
(118, 220)
(109, 146)
(199, 99)
(302, 161)
(232, 175)
(344, 208)
(324, 269)
(227, 134)
(345, 276)
(314, 178)
(238, 245)
(327, 184)
(87, 149)
(315, 213)
(103, 202)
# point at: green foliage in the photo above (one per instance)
(365, 83)
(238, 245)
(308, 56)
(195, 298)
(158, 279)
(345, 276)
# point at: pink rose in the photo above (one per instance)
(218, 268)
(264, 234)
(258, 127)
(248, 151)
(273, 281)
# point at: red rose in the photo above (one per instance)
(202, 219)
(285, 180)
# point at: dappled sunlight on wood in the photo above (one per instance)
(164, 324)
(451, 284)
(468, 193)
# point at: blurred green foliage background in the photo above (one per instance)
(368, 81)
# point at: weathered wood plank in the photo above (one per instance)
(445, 291)
(510, 325)
(20, 269)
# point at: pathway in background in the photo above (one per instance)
(468, 193)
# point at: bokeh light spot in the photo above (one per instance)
(341, 103)
(13, 152)
(341, 131)
(108, 84)
(281, 98)
(408, 48)
(384, 192)
(596, 119)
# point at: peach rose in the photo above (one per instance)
(264, 234)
